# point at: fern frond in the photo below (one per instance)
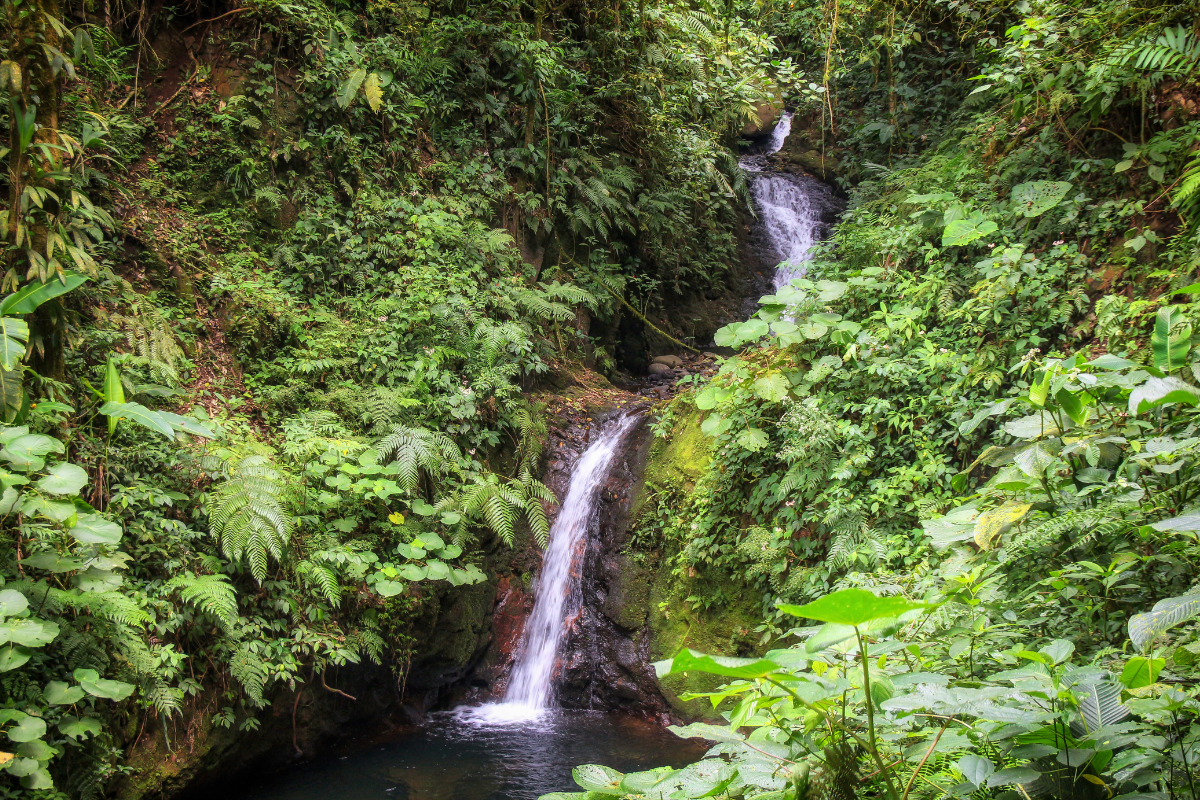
(212, 594)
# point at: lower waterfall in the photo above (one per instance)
(556, 595)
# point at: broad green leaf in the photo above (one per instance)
(136, 412)
(813, 330)
(1109, 361)
(27, 729)
(964, 231)
(28, 632)
(114, 391)
(1141, 671)
(63, 479)
(94, 579)
(1058, 651)
(79, 727)
(421, 507)
(752, 439)
(1166, 614)
(976, 769)
(13, 656)
(1171, 339)
(37, 750)
(12, 395)
(1032, 426)
(58, 693)
(752, 330)
(12, 602)
(437, 570)
(11, 350)
(187, 425)
(52, 562)
(29, 297)
(597, 778)
(990, 525)
(38, 779)
(828, 291)
(727, 666)
(1037, 197)
(642, 782)
(413, 572)
(91, 682)
(349, 87)
(1012, 776)
(772, 387)
(726, 336)
(715, 425)
(852, 607)
(387, 588)
(1160, 391)
(95, 529)
(1033, 459)
(373, 91)
(25, 452)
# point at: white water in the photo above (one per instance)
(556, 595)
(791, 208)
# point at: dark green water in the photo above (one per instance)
(454, 758)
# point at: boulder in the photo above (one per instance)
(659, 369)
(669, 360)
(766, 115)
(826, 167)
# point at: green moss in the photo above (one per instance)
(678, 461)
(725, 630)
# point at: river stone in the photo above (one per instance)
(659, 369)
(669, 360)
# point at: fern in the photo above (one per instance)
(1175, 51)
(321, 578)
(212, 594)
(412, 450)
(251, 672)
(1187, 194)
(246, 513)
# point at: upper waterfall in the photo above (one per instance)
(793, 208)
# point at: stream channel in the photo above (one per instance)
(524, 745)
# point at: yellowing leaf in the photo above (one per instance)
(373, 90)
(991, 524)
(396, 518)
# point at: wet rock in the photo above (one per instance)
(669, 360)
(659, 369)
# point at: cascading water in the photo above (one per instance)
(556, 596)
(793, 209)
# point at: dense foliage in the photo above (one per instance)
(280, 279)
(965, 438)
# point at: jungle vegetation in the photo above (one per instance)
(281, 282)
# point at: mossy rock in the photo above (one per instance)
(678, 461)
(628, 601)
(727, 631)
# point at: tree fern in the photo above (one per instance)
(246, 513)
(212, 594)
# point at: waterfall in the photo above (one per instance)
(792, 208)
(556, 595)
